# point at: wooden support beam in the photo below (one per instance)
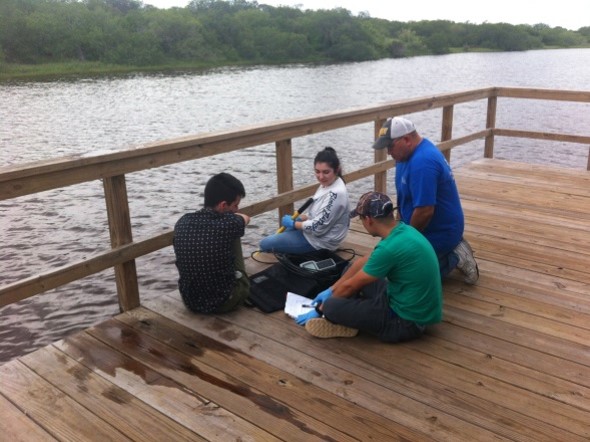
(117, 204)
(379, 156)
(447, 128)
(284, 156)
(490, 125)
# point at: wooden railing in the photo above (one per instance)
(111, 169)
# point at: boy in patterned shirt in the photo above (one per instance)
(209, 252)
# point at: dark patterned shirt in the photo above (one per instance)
(203, 245)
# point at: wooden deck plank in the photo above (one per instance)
(522, 215)
(416, 369)
(282, 343)
(575, 336)
(16, 426)
(199, 414)
(528, 230)
(532, 378)
(112, 404)
(283, 331)
(547, 267)
(560, 315)
(59, 414)
(527, 283)
(537, 175)
(458, 331)
(267, 378)
(549, 201)
(227, 391)
(510, 361)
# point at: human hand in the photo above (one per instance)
(322, 296)
(287, 222)
(303, 318)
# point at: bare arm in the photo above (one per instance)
(421, 217)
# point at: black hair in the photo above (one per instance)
(223, 187)
(328, 156)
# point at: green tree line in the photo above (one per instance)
(217, 32)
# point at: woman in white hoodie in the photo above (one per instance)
(327, 220)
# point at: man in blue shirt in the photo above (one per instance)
(427, 195)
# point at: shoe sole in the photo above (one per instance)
(322, 328)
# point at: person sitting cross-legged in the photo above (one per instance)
(394, 293)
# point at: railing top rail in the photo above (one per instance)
(543, 94)
(25, 179)
(17, 180)
(293, 127)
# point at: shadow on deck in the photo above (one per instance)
(511, 359)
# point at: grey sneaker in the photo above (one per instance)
(467, 263)
(322, 328)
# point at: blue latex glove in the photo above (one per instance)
(322, 296)
(303, 318)
(287, 222)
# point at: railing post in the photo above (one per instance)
(447, 128)
(490, 125)
(380, 155)
(284, 157)
(117, 203)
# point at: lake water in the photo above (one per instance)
(43, 120)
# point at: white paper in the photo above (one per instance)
(297, 305)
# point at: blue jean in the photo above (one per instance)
(370, 312)
(290, 241)
(447, 262)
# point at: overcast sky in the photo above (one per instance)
(570, 14)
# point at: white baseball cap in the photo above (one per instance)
(393, 128)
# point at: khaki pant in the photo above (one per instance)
(242, 289)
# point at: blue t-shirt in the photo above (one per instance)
(426, 179)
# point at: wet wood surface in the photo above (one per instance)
(510, 361)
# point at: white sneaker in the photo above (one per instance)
(467, 263)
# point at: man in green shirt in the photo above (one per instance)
(394, 293)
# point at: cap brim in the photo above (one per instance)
(353, 213)
(382, 143)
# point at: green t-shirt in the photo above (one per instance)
(409, 263)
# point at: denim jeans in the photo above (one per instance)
(369, 311)
(447, 262)
(290, 241)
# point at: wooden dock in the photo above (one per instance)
(510, 361)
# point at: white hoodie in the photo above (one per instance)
(329, 216)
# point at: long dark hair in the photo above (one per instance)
(328, 156)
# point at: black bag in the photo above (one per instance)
(268, 288)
